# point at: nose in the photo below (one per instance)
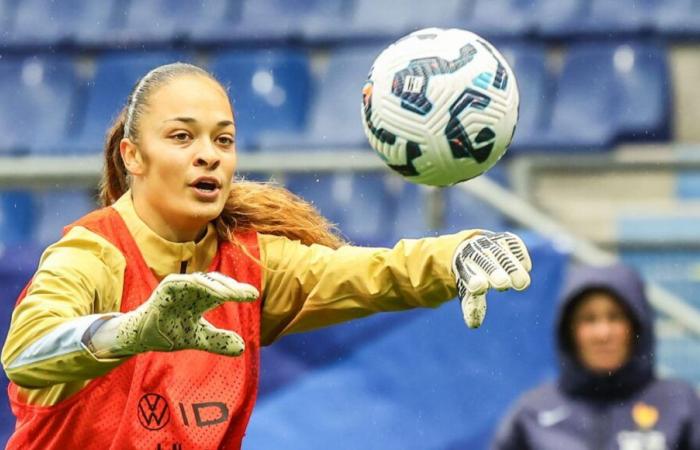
(603, 329)
(208, 157)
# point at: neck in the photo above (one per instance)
(173, 231)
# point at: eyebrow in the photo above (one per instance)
(222, 123)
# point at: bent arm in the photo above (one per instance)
(309, 287)
(77, 284)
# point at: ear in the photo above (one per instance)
(132, 157)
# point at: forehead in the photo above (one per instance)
(598, 301)
(190, 96)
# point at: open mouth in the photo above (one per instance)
(207, 186)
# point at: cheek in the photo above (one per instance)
(583, 335)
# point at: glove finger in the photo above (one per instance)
(484, 259)
(236, 291)
(474, 310)
(469, 280)
(517, 247)
(215, 340)
(518, 276)
(195, 292)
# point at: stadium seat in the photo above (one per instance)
(334, 113)
(279, 20)
(17, 264)
(455, 210)
(610, 91)
(558, 18)
(413, 212)
(106, 93)
(48, 22)
(215, 23)
(619, 17)
(464, 211)
(391, 19)
(270, 90)
(359, 203)
(38, 96)
(56, 209)
(535, 87)
(677, 18)
(167, 21)
(17, 217)
(7, 11)
(500, 18)
(643, 77)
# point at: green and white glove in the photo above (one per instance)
(171, 319)
(489, 260)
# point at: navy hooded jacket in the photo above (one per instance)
(629, 409)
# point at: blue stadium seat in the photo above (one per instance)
(500, 18)
(642, 74)
(677, 18)
(456, 210)
(334, 115)
(215, 22)
(463, 211)
(619, 17)
(389, 19)
(558, 18)
(17, 217)
(360, 203)
(57, 209)
(106, 93)
(17, 264)
(610, 91)
(270, 90)
(289, 19)
(38, 96)
(586, 104)
(535, 87)
(166, 21)
(7, 12)
(412, 219)
(48, 22)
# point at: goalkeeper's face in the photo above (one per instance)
(185, 153)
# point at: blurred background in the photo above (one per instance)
(605, 164)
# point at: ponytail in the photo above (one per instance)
(114, 174)
(271, 209)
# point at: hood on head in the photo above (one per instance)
(625, 285)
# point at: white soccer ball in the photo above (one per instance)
(440, 106)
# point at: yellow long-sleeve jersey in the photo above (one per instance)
(304, 287)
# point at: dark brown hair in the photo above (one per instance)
(262, 207)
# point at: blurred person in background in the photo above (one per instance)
(141, 327)
(607, 395)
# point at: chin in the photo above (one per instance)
(205, 212)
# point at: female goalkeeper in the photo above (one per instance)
(156, 305)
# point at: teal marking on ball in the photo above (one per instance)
(483, 80)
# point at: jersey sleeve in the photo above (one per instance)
(78, 282)
(309, 287)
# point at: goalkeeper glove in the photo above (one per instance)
(171, 319)
(489, 260)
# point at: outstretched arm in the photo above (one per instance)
(309, 287)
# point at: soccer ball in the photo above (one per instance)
(440, 106)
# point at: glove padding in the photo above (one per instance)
(171, 319)
(489, 260)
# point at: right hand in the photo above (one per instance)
(171, 319)
(489, 260)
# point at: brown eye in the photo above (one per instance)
(226, 141)
(181, 137)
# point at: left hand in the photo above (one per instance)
(488, 260)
